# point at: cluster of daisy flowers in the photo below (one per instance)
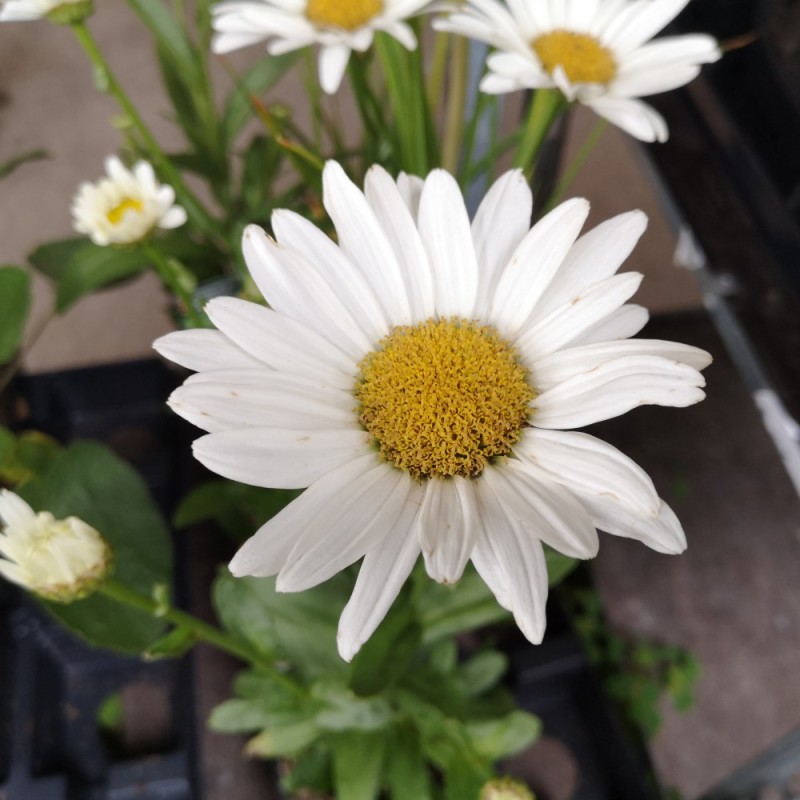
(421, 378)
(597, 52)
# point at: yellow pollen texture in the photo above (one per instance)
(115, 215)
(345, 14)
(444, 397)
(582, 57)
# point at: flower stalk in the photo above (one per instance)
(545, 106)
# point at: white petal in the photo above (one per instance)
(542, 508)
(512, 564)
(614, 388)
(382, 575)
(534, 263)
(640, 21)
(277, 458)
(266, 551)
(280, 342)
(590, 468)
(202, 349)
(363, 240)
(502, 220)
(447, 526)
(445, 231)
(356, 523)
(333, 60)
(294, 287)
(278, 400)
(14, 511)
(597, 255)
(565, 364)
(623, 323)
(634, 117)
(565, 324)
(399, 225)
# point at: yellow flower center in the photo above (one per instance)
(582, 57)
(115, 215)
(443, 397)
(345, 14)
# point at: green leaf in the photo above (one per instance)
(247, 716)
(357, 765)
(88, 481)
(483, 672)
(26, 456)
(342, 710)
(298, 626)
(172, 645)
(51, 259)
(386, 655)
(446, 610)
(407, 772)
(7, 167)
(499, 738)
(15, 300)
(285, 740)
(558, 566)
(261, 162)
(255, 82)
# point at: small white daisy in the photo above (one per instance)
(24, 10)
(126, 206)
(58, 559)
(338, 26)
(596, 52)
(419, 378)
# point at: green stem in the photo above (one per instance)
(179, 280)
(545, 107)
(201, 630)
(433, 90)
(194, 208)
(456, 101)
(575, 166)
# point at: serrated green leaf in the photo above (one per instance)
(15, 300)
(340, 709)
(357, 765)
(88, 481)
(499, 738)
(254, 83)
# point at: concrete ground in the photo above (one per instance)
(733, 598)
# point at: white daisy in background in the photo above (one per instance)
(126, 206)
(58, 559)
(60, 10)
(419, 378)
(337, 26)
(596, 52)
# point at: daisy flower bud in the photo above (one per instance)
(125, 207)
(59, 559)
(64, 12)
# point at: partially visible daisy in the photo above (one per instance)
(66, 11)
(596, 52)
(420, 378)
(126, 206)
(58, 559)
(337, 26)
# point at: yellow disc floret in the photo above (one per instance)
(582, 57)
(444, 397)
(345, 14)
(115, 215)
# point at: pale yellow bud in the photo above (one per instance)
(59, 559)
(506, 789)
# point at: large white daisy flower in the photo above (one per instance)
(58, 559)
(126, 206)
(60, 10)
(419, 378)
(338, 26)
(596, 52)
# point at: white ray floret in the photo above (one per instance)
(598, 53)
(337, 26)
(126, 206)
(433, 421)
(25, 10)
